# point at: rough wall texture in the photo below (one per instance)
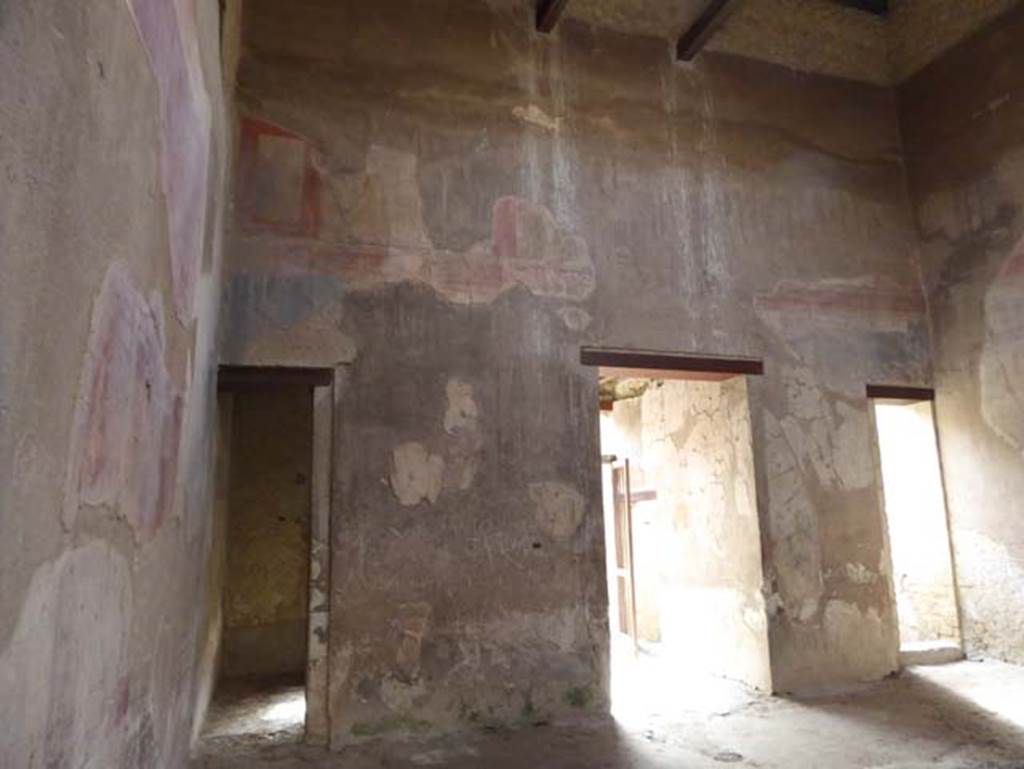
(821, 36)
(451, 225)
(920, 31)
(266, 581)
(963, 123)
(697, 547)
(113, 150)
(825, 37)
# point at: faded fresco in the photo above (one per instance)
(449, 238)
(114, 148)
(961, 121)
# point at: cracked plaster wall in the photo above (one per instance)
(450, 226)
(962, 119)
(114, 154)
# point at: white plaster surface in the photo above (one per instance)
(416, 474)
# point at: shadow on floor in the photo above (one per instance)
(947, 697)
(925, 719)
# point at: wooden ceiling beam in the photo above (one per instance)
(640, 363)
(548, 13)
(704, 28)
(234, 378)
(900, 393)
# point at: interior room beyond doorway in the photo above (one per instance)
(682, 540)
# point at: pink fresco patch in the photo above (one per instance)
(534, 251)
(527, 247)
(185, 139)
(124, 450)
(1014, 266)
(850, 300)
(504, 218)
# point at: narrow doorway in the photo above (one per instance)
(915, 512)
(687, 617)
(270, 519)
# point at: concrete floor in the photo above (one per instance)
(967, 715)
(257, 712)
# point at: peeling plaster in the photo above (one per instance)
(558, 508)
(465, 440)
(462, 413)
(416, 474)
(534, 115)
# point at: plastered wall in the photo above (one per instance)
(114, 153)
(962, 120)
(449, 226)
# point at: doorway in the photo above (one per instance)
(687, 617)
(273, 499)
(915, 513)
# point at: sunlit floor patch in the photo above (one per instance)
(648, 685)
(240, 708)
(993, 687)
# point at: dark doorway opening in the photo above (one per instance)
(267, 510)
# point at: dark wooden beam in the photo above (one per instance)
(548, 13)
(642, 361)
(234, 378)
(901, 393)
(877, 7)
(704, 28)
